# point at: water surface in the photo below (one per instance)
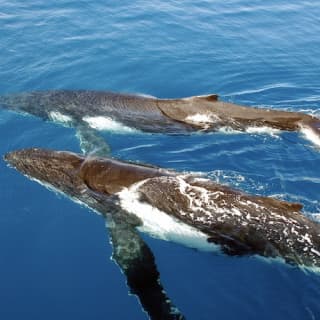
(54, 255)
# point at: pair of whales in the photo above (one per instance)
(166, 204)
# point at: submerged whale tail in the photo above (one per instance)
(311, 129)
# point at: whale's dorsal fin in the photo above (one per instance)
(210, 97)
(182, 110)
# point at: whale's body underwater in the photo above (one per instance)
(83, 109)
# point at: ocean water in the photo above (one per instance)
(54, 254)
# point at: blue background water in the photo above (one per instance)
(54, 255)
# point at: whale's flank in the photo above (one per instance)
(241, 224)
(104, 110)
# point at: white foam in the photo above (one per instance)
(141, 146)
(252, 130)
(263, 130)
(262, 89)
(193, 148)
(107, 123)
(310, 135)
(229, 130)
(160, 225)
(56, 116)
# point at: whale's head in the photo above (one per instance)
(57, 169)
(74, 174)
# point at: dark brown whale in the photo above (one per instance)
(83, 108)
(183, 208)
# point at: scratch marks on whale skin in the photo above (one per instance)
(159, 224)
(215, 209)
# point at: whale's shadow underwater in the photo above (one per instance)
(132, 198)
(166, 204)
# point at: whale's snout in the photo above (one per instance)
(34, 159)
(59, 169)
(19, 158)
(10, 157)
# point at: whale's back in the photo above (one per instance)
(241, 224)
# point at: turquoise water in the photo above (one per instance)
(54, 255)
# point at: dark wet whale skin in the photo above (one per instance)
(134, 111)
(241, 224)
(171, 116)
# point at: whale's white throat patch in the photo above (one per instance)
(160, 225)
(107, 123)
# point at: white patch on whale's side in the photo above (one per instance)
(56, 116)
(107, 123)
(202, 118)
(310, 135)
(205, 120)
(160, 225)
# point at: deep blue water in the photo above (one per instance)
(54, 255)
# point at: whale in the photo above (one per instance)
(88, 111)
(208, 215)
(178, 207)
(130, 252)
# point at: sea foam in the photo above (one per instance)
(310, 135)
